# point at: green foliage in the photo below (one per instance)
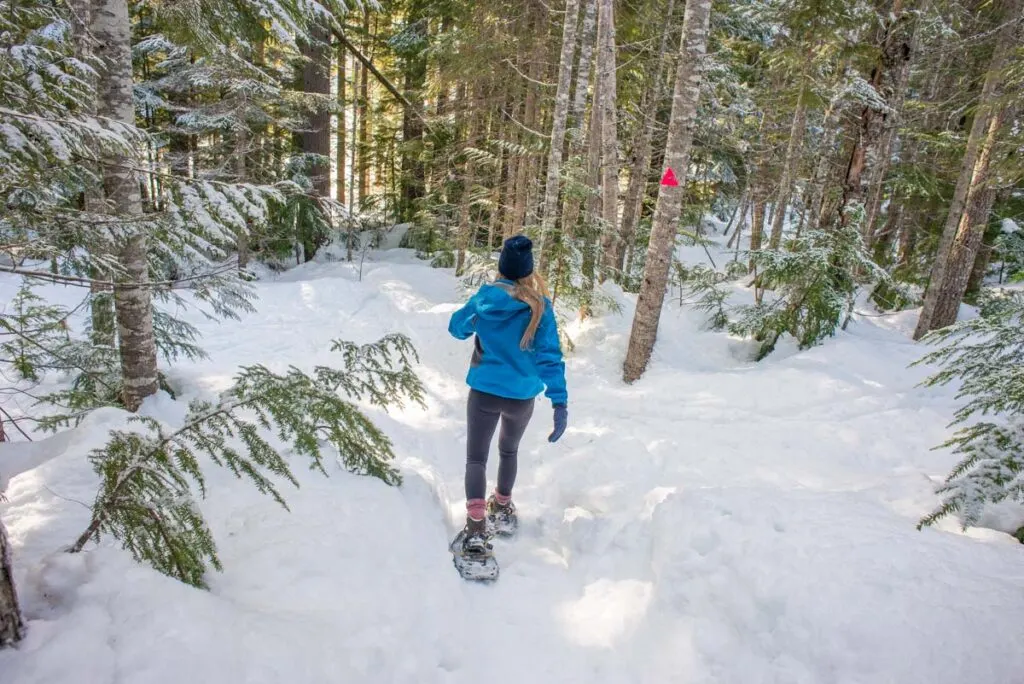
(815, 284)
(30, 333)
(149, 479)
(708, 286)
(985, 355)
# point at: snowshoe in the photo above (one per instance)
(502, 518)
(472, 553)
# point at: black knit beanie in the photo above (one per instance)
(516, 260)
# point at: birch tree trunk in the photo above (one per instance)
(12, 624)
(638, 174)
(549, 214)
(978, 143)
(132, 298)
(588, 31)
(611, 245)
(578, 134)
(692, 50)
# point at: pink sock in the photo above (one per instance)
(475, 508)
(501, 498)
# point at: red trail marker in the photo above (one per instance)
(669, 178)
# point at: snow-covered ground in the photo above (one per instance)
(719, 521)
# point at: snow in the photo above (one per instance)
(718, 521)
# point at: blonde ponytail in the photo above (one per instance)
(532, 290)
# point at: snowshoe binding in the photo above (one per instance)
(502, 517)
(473, 554)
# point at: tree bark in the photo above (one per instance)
(132, 299)
(590, 236)
(353, 182)
(364, 118)
(524, 170)
(963, 253)
(979, 146)
(692, 51)
(650, 104)
(339, 152)
(415, 71)
(876, 126)
(611, 244)
(101, 303)
(465, 232)
(12, 624)
(980, 269)
(793, 149)
(241, 176)
(316, 79)
(577, 134)
(549, 214)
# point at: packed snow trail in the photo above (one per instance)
(719, 521)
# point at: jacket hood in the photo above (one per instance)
(497, 303)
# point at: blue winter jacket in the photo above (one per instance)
(498, 365)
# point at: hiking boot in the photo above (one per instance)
(474, 539)
(502, 516)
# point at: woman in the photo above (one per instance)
(516, 355)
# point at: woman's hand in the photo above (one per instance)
(561, 416)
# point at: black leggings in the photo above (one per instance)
(482, 414)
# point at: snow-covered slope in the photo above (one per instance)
(719, 521)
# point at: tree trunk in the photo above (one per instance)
(524, 170)
(980, 269)
(364, 118)
(590, 235)
(650, 104)
(584, 63)
(549, 214)
(316, 79)
(465, 232)
(578, 133)
(757, 220)
(415, 69)
(963, 254)
(12, 625)
(874, 135)
(611, 244)
(132, 299)
(692, 50)
(979, 147)
(241, 176)
(339, 152)
(513, 160)
(883, 240)
(101, 303)
(793, 149)
(353, 182)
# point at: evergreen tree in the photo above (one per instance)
(985, 355)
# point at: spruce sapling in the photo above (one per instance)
(146, 497)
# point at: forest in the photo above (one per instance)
(829, 162)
